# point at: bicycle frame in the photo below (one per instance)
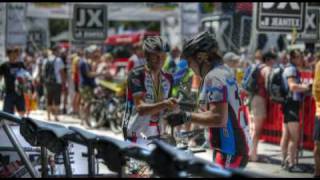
(15, 142)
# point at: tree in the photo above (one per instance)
(58, 26)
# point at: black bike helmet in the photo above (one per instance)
(155, 44)
(202, 42)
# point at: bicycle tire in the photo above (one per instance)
(96, 115)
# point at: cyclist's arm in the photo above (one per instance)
(216, 97)
(215, 117)
(144, 108)
(138, 90)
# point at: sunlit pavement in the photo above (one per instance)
(270, 153)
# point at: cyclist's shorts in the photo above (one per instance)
(86, 93)
(230, 161)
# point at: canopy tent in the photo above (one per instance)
(138, 14)
(64, 36)
(130, 38)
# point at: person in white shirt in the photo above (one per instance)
(54, 78)
(231, 60)
(137, 59)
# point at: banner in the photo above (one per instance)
(89, 22)
(190, 19)
(280, 16)
(311, 29)
(2, 31)
(38, 33)
(222, 27)
(49, 10)
(16, 25)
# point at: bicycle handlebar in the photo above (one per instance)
(187, 105)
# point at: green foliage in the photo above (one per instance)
(207, 7)
(58, 26)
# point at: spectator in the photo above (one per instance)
(244, 62)
(316, 136)
(258, 57)
(29, 91)
(232, 61)
(290, 130)
(63, 53)
(104, 67)
(9, 70)
(76, 82)
(55, 77)
(87, 83)
(137, 59)
(284, 60)
(172, 61)
(38, 76)
(259, 103)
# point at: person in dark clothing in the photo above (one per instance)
(9, 70)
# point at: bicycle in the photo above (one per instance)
(52, 137)
(107, 108)
(164, 159)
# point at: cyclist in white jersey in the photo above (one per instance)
(220, 106)
(148, 94)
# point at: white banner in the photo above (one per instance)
(16, 25)
(49, 10)
(190, 19)
(2, 31)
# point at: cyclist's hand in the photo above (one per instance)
(178, 118)
(171, 103)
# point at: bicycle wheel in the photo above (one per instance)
(96, 114)
(113, 116)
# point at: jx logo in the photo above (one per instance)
(311, 21)
(269, 5)
(89, 18)
(283, 7)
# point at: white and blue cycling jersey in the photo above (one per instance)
(220, 86)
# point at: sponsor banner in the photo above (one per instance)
(49, 10)
(311, 29)
(190, 19)
(2, 31)
(89, 22)
(280, 16)
(16, 25)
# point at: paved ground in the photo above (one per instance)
(270, 153)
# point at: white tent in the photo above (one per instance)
(138, 14)
(64, 36)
